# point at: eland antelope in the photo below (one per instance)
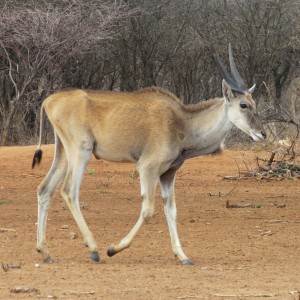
(150, 127)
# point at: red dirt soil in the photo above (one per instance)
(239, 253)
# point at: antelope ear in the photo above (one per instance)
(250, 91)
(227, 92)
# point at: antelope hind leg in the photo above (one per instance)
(45, 193)
(70, 193)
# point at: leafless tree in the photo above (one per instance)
(36, 43)
(169, 43)
(262, 32)
(148, 45)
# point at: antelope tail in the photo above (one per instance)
(37, 157)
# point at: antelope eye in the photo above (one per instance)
(243, 105)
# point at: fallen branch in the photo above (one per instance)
(228, 205)
(190, 297)
(280, 205)
(283, 167)
(215, 194)
(10, 266)
(234, 177)
(244, 295)
(32, 175)
(82, 293)
(20, 289)
(281, 221)
(271, 159)
(2, 229)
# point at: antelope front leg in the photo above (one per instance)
(148, 180)
(167, 190)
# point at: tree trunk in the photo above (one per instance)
(6, 126)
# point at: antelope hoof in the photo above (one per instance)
(95, 256)
(187, 262)
(48, 260)
(111, 251)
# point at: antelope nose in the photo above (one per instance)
(263, 133)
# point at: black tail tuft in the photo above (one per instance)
(37, 157)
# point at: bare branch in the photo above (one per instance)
(10, 70)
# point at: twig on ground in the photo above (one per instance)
(271, 159)
(82, 293)
(284, 167)
(244, 295)
(281, 221)
(234, 205)
(2, 229)
(234, 177)
(220, 194)
(10, 266)
(20, 289)
(190, 297)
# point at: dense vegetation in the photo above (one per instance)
(130, 44)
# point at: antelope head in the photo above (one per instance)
(240, 104)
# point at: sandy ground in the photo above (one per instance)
(239, 253)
